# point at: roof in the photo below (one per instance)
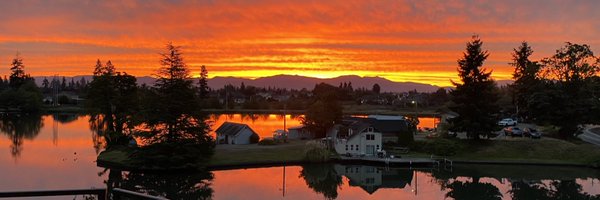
(386, 117)
(296, 127)
(231, 128)
(381, 123)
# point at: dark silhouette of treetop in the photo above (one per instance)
(474, 100)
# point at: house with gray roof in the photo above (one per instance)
(359, 138)
(235, 133)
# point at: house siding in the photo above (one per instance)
(357, 145)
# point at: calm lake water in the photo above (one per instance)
(59, 152)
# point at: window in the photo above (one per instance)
(346, 147)
(370, 137)
(378, 147)
(352, 147)
(370, 129)
(357, 147)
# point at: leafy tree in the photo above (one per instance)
(171, 109)
(565, 100)
(376, 88)
(112, 102)
(203, 82)
(324, 112)
(475, 98)
(22, 93)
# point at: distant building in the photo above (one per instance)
(235, 133)
(300, 132)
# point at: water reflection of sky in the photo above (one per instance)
(66, 160)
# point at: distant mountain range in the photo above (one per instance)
(299, 82)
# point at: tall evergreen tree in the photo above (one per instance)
(526, 79)
(475, 98)
(45, 83)
(173, 113)
(203, 82)
(17, 75)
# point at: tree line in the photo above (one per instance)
(560, 90)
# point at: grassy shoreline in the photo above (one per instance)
(562, 153)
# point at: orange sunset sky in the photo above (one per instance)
(416, 41)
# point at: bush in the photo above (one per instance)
(406, 138)
(315, 151)
(254, 138)
(267, 141)
(185, 155)
(441, 147)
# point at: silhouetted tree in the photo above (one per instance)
(526, 79)
(112, 102)
(17, 75)
(172, 112)
(203, 82)
(475, 98)
(324, 112)
(566, 99)
(45, 83)
(376, 88)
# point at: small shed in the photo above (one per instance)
(235, 133)
(300, 132)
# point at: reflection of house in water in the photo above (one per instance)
(371, 178)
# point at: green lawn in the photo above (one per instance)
(256, 154)
(547, 150)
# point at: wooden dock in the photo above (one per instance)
(412, 162)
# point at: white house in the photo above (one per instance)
(361, 139)
(235, 133)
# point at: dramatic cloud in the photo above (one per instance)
(401, 40)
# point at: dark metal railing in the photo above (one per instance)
(117, 193)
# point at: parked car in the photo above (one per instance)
(513, 131)
(532, 133)
(507, 122)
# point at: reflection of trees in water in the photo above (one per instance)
(557, 189)
(98, 127)
(322, 179)
(472, 190)
(64, 118)
(192, 185)
(19, 127)
(249, 117)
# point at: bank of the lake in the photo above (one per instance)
(528, 152)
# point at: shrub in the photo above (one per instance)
(405, 138)
(267, 141)
(254, 138)
(315, 151)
